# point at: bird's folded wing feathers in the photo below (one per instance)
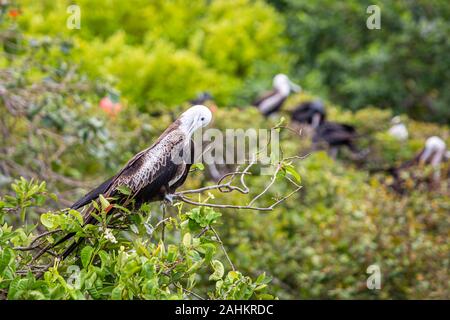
(263, 97)
(92, 195)
(140, 171)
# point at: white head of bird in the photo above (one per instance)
(396, 120)
(436, 144)
(194, 118)
(283, 85)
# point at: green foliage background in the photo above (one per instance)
(154, 56)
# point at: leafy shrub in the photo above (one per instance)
(174, 49)
(119, 265)
(401, 66)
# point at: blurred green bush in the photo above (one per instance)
(167, 51)
(402, 66)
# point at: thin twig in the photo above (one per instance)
(223, 248)
(223, 206)
(229, 206)
(274, 177)
(31, 246)
(189, 292)
(163, 218)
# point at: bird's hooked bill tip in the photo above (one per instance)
(295, 87)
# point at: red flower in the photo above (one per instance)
(213, 108)
(111, 108)
(14, 13)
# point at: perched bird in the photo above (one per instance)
(272, 101)
(336, 135)
(154, 173)
(201, 98)
(398, 129)
(311, 112)
(434, 153)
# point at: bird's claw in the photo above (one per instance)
(169, 198)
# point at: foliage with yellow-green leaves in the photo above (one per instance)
(113, 264)
(315, 245)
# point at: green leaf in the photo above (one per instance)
(77, 216)
(172, 252)
(218, 270)
(291, 170)
(233, 275)
(17, 287)
(280, 123)
(90, 280)
(36, 295)
(198, 166)
(195, 266)
(116, 293)
(105, 259)
(208, 249)
(105, 203)
(203, 216)
(263, 279)
(49, 220)
(124, 190)
(187, 239)
(265, 296)
(6, 257)
(86, 255)
(53, 196)
(260, 287)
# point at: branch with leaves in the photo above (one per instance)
(236, 181)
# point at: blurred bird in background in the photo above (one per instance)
(398, 129)
(272, 101)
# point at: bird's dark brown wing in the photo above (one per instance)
(184, 170)
(303, 114)
(106, 185)
(149, 170)
(93, 194)
(148, 165)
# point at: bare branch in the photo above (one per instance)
(223, 248)
(272, 181)
(188, 291)
(32, 246)
(230, 206)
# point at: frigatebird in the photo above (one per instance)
(336, 135)
(201, 98)
(433, 153)
(398, 129)
(272, 101)
(152, 174)
(311, 112)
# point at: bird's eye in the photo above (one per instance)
(202, 118)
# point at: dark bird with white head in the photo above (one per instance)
(153, 174)
(310, 112)
(337, 135)
(272, 101)
(202, 98)
(433, 154)
(156, 172)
